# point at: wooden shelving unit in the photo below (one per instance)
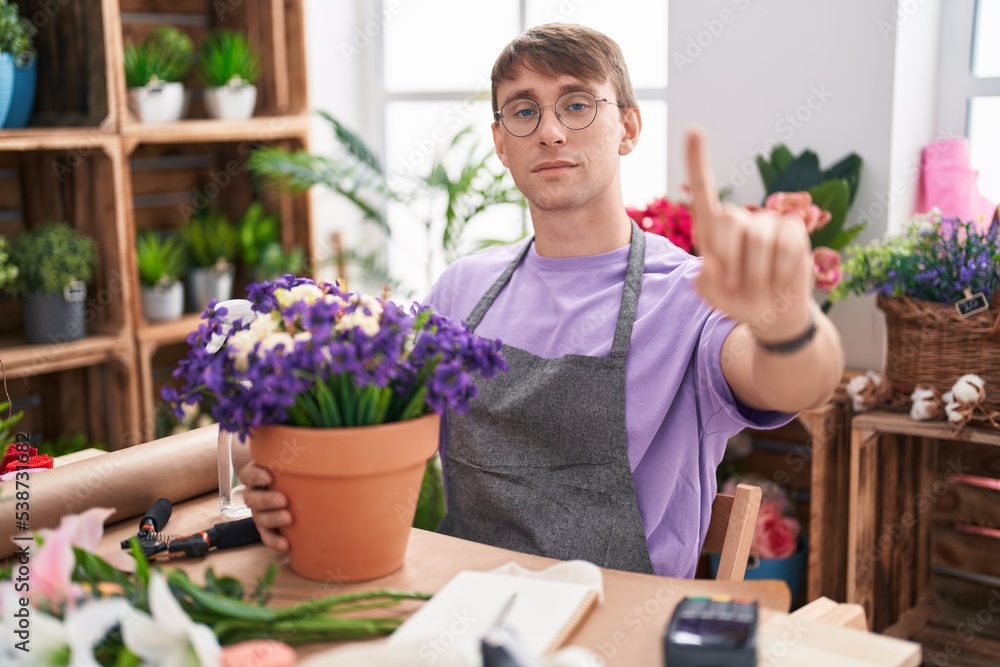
(84, 159)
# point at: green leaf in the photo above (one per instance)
(330, 416)
(141, 563)
(354, 144)
(781, 158)
(227, 55)
(262, 593)
(430, 504)
(767, 172)
(847, 235)
(417, 405)
(849, 169)
(227, 607)
(831, 196)
(802, 174)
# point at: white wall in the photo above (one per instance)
(338, 58)
(831, 76)
(817, 75)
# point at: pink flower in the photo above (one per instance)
(51, 570)
(826, 265)
(776, 535)
(51, 566)
(800, 204)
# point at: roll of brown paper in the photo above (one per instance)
(130, 480)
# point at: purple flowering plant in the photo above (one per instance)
(317, 357)
(936, 259)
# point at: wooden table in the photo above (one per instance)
(626, 629)
(896, 483)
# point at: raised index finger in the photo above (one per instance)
(701, 181)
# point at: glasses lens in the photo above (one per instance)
(577, 110)
(520, 117)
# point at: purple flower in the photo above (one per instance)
(316, 356)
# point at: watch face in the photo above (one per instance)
(710, 632)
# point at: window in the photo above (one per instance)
(969, 84)
(432, 81)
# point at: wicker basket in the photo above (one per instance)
(931, 343)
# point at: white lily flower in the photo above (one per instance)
(53, 641)
(169, 637)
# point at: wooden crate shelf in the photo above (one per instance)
(252, 131)
(85, 160)
(97, 399)
(924, 514)
(21, 359)
(75, 187)
(77, 59)
(274, 27)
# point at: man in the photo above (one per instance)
(631, 363)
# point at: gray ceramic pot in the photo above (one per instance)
(56, 318)
(203, 285)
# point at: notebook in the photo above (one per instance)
(545, 613)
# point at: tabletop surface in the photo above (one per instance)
(625, 630)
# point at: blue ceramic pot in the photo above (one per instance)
(6, 85)
(23, 99)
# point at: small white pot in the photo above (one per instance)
(162, 303)
(158, 102)
(235, 102)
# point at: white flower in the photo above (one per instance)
(367, 323)
(868, 390)
(265, 325)
(308, 294)
(276, 339)
(969, 389)
(948, 398)
(926, 404)
(958, 413)
(239, 347)
(54, 641)
(169, 637)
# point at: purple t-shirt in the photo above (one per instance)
(679, 409)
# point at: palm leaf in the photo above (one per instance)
(354, 144)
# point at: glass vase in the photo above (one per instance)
(231, 502)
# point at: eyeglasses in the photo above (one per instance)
(576, 110)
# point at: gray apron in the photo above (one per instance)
(539, 464)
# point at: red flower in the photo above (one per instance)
(35, 460)
(668, 219)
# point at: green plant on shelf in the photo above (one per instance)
(228, 58)
(161, 257)
(52, 256)
(8, 272)
(16, 32)
(260, 246)
(8, 420)
(65, 443)
(166, 55)
(210, 239)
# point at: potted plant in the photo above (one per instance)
(212, 244)
(260, 246)
(154, 71)
(54, 262)
(352, 387)
(229, 67)
(938, 283)
(8, 271)
(161, 259)
(18, 67)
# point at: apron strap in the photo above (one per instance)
(491, 294)
(630, 294)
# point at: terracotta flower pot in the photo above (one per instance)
(351, 491)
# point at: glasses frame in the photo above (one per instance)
(498, 115)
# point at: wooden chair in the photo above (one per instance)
(730, 530)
